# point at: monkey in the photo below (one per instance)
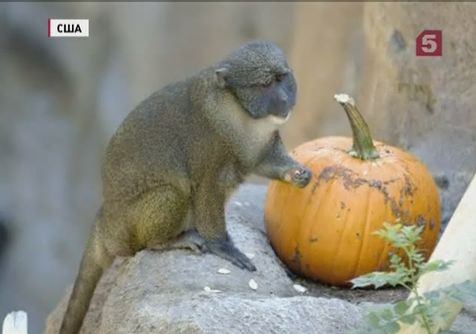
(176, 158)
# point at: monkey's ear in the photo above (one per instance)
(221, 74)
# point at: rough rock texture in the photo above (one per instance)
(164, 292)
(465, 323)
(425, 104)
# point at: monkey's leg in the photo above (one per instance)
(278, 165)
(159, 217)
(210, 223)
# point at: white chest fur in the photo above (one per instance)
(248, 135)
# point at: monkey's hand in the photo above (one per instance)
(277, 164)
(299, 176)
(226, 250)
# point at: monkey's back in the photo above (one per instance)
(161, 139)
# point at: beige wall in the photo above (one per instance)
(327, 56)
(423, 104)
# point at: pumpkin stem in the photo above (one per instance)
(363, 145)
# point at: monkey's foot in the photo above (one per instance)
(226, 250)
(190, 240)
(299, 176)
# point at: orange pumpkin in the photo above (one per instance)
(324, 231)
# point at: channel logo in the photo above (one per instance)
(429, 43)
(68, 28)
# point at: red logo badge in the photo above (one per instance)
(429, 43)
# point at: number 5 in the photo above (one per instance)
(428, 43)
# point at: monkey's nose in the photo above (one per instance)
(283, 98)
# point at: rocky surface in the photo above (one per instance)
(179, 291)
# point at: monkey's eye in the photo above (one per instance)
(267, 83)
(281, 76)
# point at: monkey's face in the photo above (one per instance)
(275, 96)
(261, 80)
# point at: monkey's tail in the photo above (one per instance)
(90, 271)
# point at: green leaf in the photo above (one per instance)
(378, 279)
(396, 260)
(412, 233)
(391, 327)
(387, 314)
(435, 265)
(429, 310)
(408, 319)
(421, 308)
(401, 307)
(389, 231)
(373, 319)
(418, 258)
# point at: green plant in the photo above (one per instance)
(429, 310)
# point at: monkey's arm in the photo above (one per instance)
(278, 165)
(210, 223)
